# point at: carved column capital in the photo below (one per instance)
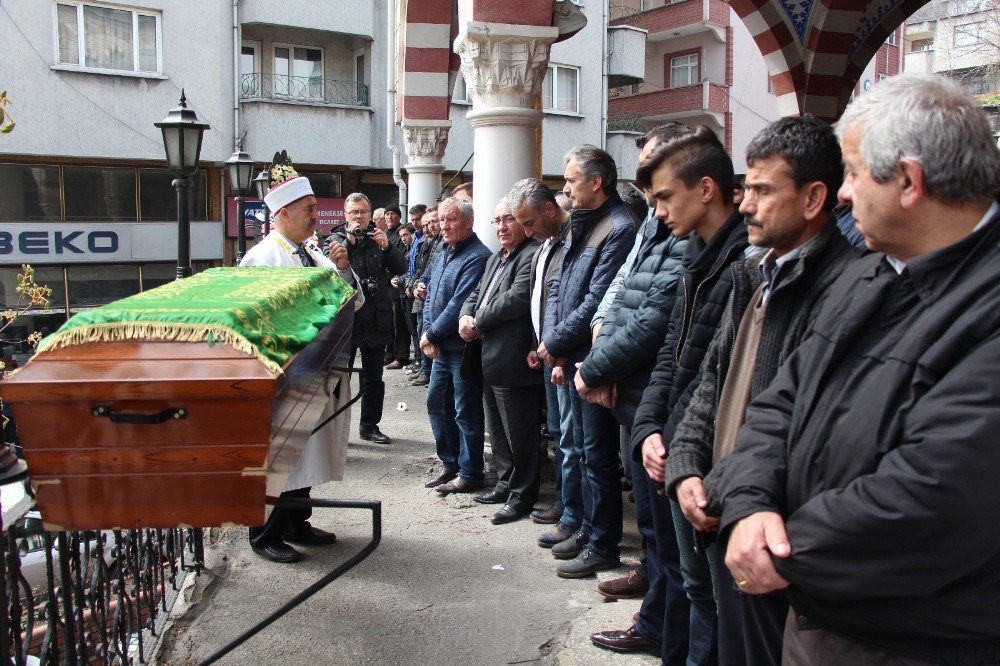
(425, 141)
(504, 65)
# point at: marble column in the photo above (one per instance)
(424, 142)
(504, 66)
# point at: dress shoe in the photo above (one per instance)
(629, 640)
(279, 552)
(395, 365)
(311, 536)
(549, 516)
(387, 360)
(632, 586)
(586, 564)
(459, 485)
(373, 434)
(571, 547)
(491, 497)
(507, 514)
(446, 475)
(556, 535)
(421, 380)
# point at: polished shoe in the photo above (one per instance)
(491, 497)
(571, 547)
(459, 485)
(547, 516)
(311, 536)
(395, 365)
(556, 535)
(629, 640)
(373, 434)
(632, 586)
(279, 552)
(586, 564)
(421, 380)
(507, 514)
(446, 475)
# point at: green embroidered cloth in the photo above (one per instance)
(270, 313)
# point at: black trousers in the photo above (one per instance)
(281, 522)
(400, 349)
(373, 393)
(513, 419)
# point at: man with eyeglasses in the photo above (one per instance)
(374, 260)
(497, 316)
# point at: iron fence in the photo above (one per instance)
(258, 86)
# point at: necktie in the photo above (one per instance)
(304, 256)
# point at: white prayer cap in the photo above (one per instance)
(287, 192)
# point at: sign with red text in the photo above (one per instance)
(329, 211)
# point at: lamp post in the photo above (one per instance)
(263, 183)
(182, 134)
(240, 168)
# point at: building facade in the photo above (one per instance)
(84, 194)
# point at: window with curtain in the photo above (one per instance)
(298, 72)
(684, 70)
(107, 38)
(561, 89)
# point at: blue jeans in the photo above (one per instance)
(572, 470)
(425, 363)
(696, 568)
(552, 421)
(455, 410)
(602, 491)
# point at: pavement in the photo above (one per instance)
(445, 586)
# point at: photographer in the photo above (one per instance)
(374, 260)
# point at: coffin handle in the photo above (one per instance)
(143, 418)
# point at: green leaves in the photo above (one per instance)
(6, 121)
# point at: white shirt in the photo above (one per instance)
(536, 293)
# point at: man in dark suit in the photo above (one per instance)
(496, 315)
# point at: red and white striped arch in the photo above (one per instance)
(427, 64)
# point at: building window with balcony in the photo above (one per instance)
(684, 70)
(969, 34)
(921, 45)
(891, 39)
(250, 70)
(108, 39)
(561, 89)
(298, 73)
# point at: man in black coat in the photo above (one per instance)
(398, 351)
(374, 260)
(496, 316)
(864, 480)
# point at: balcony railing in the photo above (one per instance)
(685, 15)
(307, 89)
(95, 597)
(671, 102)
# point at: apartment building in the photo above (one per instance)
(702, 67)
(84, 194)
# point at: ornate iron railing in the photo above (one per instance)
(257, 86)
(88, 597)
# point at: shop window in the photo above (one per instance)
(324, 185)
(158, 197)
(90, 286)
(99, 194)
(29, 193)
(107, 38)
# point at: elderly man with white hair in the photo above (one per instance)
(864, 481)
(293, 222)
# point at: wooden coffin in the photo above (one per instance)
(229, 432)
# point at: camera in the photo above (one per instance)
(361, 232)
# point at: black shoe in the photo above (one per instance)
(279, 552)
(491, 497)
(586, 564)
(373, 434)
(507, 514)
(446, 475)
(549, 516)
(311, 536)
(571, 547)
(421, 380)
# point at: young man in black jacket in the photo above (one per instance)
(864, 481)
(791, 187)
(691, 179)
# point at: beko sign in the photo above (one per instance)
(104, 242)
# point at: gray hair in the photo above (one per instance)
(355, 197)
(463, 206)
(592, 161)
(930, 119)
(531, 192)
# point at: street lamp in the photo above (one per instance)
(263, 183)
(240, 168)
(182, 134)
